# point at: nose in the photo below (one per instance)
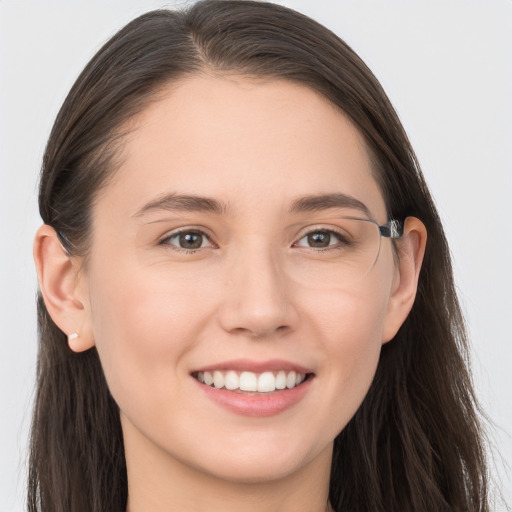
(257, 297)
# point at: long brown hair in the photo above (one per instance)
(416, 442)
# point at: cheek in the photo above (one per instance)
(143, 325)
(349, 325)
(350, 319)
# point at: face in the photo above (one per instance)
(202, 265)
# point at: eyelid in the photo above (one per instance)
(163, 240)
(320, 228)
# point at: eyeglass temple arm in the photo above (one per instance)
(392, 229)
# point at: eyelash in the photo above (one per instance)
(339, 236)
(166, 240)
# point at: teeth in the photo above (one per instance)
(218, 379)
(248, 381)
(281, 380)
(290, 380)
(231, 380)
(265, 382)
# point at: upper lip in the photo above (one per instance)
(250, 365)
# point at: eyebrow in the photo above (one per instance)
(184, 203)
(192, 203)
(316, 203)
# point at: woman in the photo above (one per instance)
(239, 307)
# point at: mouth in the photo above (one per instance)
(255, 388)
(252, 382)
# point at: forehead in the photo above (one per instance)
(246, 141)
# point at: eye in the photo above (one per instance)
(189, 240)
(321, 239)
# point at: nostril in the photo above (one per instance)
(258, 302)
(281, 329)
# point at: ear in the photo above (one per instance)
(411, 249)
(61, 287)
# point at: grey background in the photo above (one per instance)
(447, 67)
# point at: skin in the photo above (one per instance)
(156, 314)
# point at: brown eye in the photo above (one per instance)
(188, 240)
(319, 239)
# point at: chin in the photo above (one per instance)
(261, 461)
(256, 471)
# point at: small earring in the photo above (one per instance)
(72, 336)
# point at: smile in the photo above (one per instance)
(265, 382)
(255, 388)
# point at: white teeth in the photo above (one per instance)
(281, 380)
(248, 381)
(290, 380)
(265, 382)
(231, 381)
(218, 379)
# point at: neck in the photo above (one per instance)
(161, 483)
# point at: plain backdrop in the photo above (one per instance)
(447, 67)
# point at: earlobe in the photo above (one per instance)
(411, 249)
(58, 278)
(77, 343)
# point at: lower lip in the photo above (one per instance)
(261, 405)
